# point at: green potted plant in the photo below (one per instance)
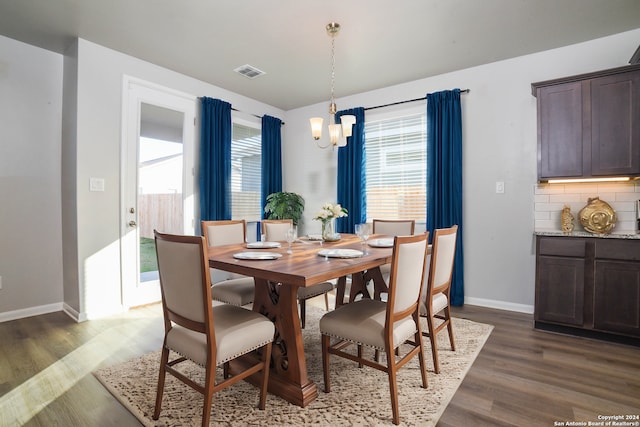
(284, 205)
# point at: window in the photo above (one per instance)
(246, 155)
(396, 168)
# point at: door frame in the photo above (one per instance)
(135, 92)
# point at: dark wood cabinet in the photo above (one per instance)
(560, 132)
(588, 285)
(560, 272)
(589, 125)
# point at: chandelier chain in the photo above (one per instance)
(333, 69)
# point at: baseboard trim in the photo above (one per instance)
(501, 305)
(29, 312)
(81, 317)
(74, 314)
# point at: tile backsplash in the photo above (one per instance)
(551, 198)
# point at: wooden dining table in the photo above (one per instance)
(276, 287)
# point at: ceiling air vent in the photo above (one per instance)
(249, 71)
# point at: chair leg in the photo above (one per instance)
(266, 360)
(434, 344)
(326, 300)
(360, 365)
(161, 376)
(225, 370)
(209, 382)
(325, 363)
(421, 358)
(450, 329)
(393, 387)
(303, 312)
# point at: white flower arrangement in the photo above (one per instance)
(330, 211)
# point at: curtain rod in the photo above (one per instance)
(251, 114)
(408, 100)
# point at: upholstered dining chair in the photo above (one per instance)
(227, 287)
(436, 301)
(207, 335)
(392, 228)
(275, 230)
(383, 326)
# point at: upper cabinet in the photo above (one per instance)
(589, 125)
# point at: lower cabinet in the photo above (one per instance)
(590, 286)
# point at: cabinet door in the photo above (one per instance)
(615, 124)
(560, 290)
(560, 131)
(617, 297)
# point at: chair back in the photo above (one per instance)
(184, 280)
(224, 232)
(407, 274)
(442, 257)
(394, 227)
(275, 230)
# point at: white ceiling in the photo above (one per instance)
(382, 42)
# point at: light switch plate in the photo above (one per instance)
(499, 187)
(96, 184)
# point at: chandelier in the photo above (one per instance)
(337, 134)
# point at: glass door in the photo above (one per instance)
(157, 183)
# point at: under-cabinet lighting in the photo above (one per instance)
(578, 180)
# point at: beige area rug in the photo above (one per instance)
(359, 397)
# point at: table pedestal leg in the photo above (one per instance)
(359, 285)
(288, 375)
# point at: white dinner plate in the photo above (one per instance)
(263, 245)
(340, 253)
(257, 255)
(381, 243)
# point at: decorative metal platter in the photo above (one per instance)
(340, 253)
(597, 217)
(257, 255)
(314, 237)
(263, 245)
(381, 243)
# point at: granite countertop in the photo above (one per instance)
(587, 234)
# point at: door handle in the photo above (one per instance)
(132, 224)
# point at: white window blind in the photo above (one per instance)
(396, 162)
(246, 155)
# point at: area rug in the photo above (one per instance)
(359, 396)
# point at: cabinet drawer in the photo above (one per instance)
(618, 249)
(562, 246)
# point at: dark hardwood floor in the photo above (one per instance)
(526, 377)
(522, 377)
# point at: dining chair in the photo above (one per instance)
(207, 335)
(275, 230)
(392, 228)
(436, 301)
(383, 326)
(227, 287)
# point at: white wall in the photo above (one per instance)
(499, 144)
(33, 189)
(98, 155)
(30, 211)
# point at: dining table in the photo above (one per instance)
(278, 275)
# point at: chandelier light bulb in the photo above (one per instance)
(338, 133)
